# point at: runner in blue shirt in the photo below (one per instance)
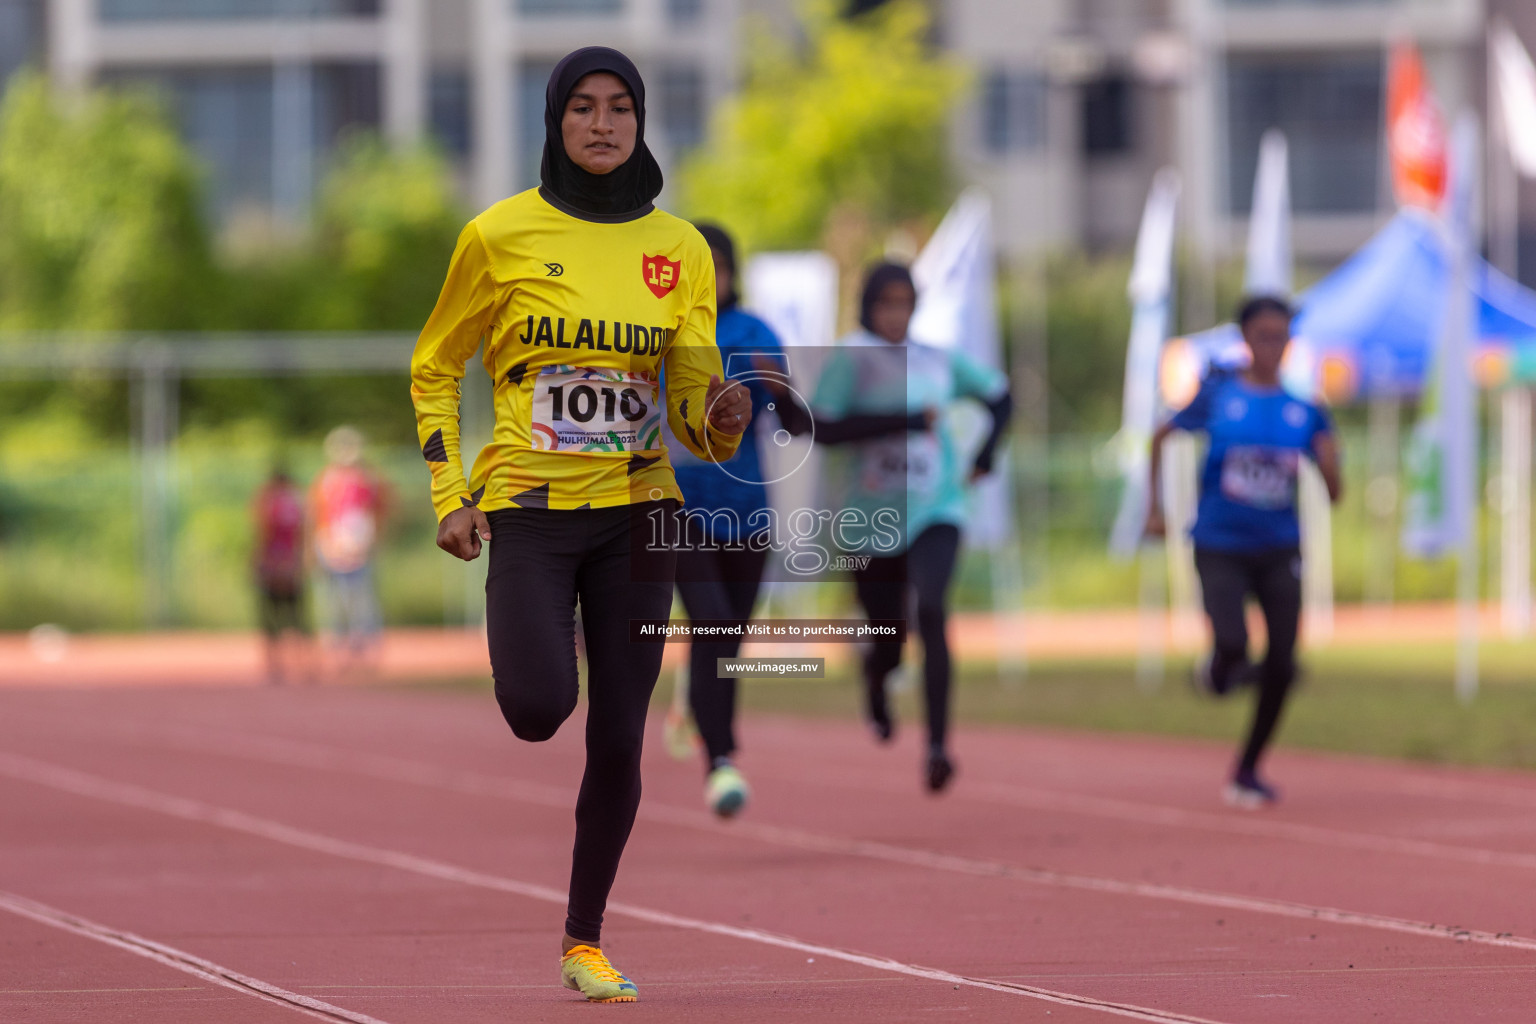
(718, 575)
(1246, 533)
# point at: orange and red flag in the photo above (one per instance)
(1416, 138)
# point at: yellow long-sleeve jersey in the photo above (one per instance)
(579, 317)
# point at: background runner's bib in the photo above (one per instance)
(908, 462)
(1260, 476)
(579, 409)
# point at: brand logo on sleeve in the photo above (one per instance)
(554, 269)
(660, 274)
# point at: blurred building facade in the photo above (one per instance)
(1081, 100)
(1076, 102)
(263, 89)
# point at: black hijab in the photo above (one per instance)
(627, 190)
(880, 277)
(725, 251)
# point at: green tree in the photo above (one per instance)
(385, 225)
(1087, 324)
(1087, 320)
(100, 223)
(385, 221)
(833, 143)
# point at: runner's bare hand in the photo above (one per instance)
(1156, 526)
(729, 405)
(461, 532)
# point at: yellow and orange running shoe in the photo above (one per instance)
(587, 971)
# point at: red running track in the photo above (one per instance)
(371, 856)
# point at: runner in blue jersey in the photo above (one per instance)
(1246, 533)
(886, 398)
(719, 570)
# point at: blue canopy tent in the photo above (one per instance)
(1369, 328)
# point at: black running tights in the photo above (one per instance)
(928, 565)
(1274, 578)
(542, 563)
(722, 585)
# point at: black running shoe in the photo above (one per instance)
(1250, 793)
(1200, 677)
(1204, 680)
(878, 711)
(940, 771)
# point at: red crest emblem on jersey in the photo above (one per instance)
(660, 274)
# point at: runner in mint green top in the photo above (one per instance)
(918, 471)
(884, 400)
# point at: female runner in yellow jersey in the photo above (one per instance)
(583, 292)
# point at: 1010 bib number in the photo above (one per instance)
(581, 409)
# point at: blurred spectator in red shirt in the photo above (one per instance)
(347, 504)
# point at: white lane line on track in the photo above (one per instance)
(125, 794)
(1082, 805)
(1501, 794)
(309, 754)
(315, 755)
(303, 754)
(1174, 817)
(180, 960)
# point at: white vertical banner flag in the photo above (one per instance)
(1269, 226)
(1269, 272)
(1442, 457)
(956, 278)
(1151, 287)
(1512, 113)
(1441, 508)
(1515, 76)
(795, 293)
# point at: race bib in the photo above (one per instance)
(578, 409)
(908, 463)
(1259, 476)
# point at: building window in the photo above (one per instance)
(21, 35)
(1013, 111)
(1526, 254)
(226, 117)
(683, 12)
(188, 10)
(1330, 110)
(265, 133)
(579, 8)
(532, 77)
(1107, 117)
(682, 107)
(347, 97)
(448, 109)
